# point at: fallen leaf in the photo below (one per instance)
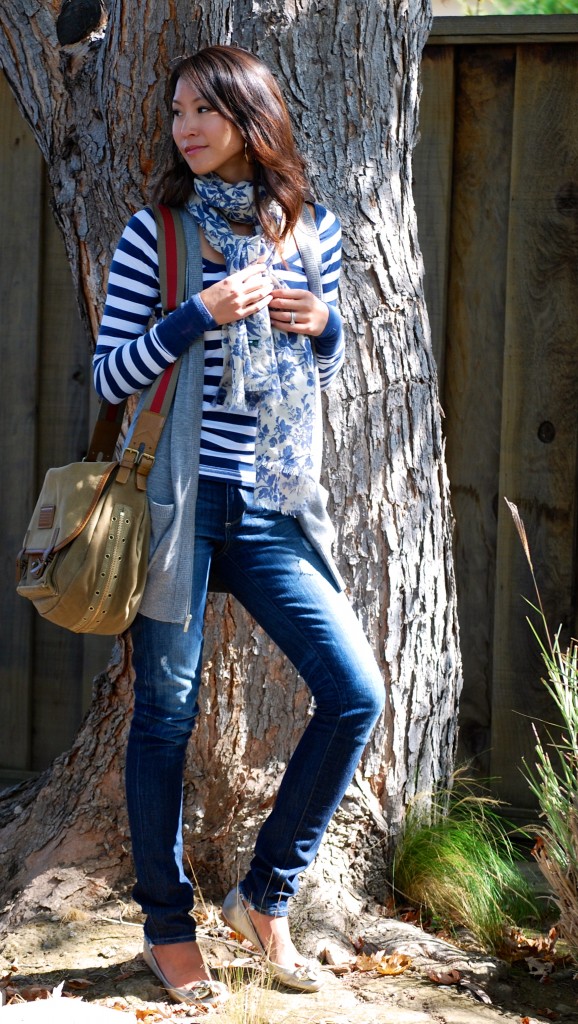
(396, 963)
(238, 938)
(79, 983)
(409, 917)
(339, 969)
(387, 909)
(32, 992)
(333, 956)
(540, 969)
(393, 963)
(151, 1016)
(365, 962)
(519, 946)
(13, 969)
(449, 978)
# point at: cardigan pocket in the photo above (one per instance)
(162, 517)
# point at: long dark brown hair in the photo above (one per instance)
(241, 88)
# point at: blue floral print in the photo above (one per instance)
(265, 370)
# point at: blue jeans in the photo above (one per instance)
(266, 562)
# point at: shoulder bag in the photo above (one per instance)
(84, 558)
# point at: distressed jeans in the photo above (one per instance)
(265, 561)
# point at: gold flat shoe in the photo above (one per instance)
(303, 977)
(200, 993)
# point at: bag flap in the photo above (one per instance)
(67, 499)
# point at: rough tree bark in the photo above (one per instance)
(350, 73)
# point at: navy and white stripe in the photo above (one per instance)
(227, 438)
(128, 356)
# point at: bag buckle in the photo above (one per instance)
(139, 455)
(138, 459)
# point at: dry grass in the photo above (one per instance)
(553, 778)
(249, 1001)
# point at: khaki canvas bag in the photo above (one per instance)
(84, 558)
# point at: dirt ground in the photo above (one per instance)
(98, 958)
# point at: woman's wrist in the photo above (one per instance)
(176, 332)
(332, 329)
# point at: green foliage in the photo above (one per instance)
(554, 777)
(521, 7)
(460, 867)
(535, 6)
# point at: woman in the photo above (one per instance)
(235, 490)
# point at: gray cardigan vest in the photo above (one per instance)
(173, 481)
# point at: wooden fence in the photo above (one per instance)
(45, 674)
(496, 184)
(497, 198)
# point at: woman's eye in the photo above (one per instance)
(176, 113)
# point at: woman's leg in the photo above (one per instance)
(167, 664)
(272, 569)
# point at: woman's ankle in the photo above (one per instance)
(181, 962)
(276, 938)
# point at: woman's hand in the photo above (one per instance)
(239, 295)
(298, 311)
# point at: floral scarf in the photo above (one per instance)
(265, 370)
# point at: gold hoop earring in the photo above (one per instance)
(247, 161)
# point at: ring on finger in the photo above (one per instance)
(292, 318)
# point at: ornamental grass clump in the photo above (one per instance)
(459, 867)
(553, 778)
(249, 1000)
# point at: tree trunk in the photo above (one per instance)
(350, 74)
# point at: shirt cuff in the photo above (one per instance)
(327, 341)
(190, 321)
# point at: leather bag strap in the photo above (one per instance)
(172, 255)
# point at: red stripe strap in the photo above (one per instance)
(159, 396)
(171, 257)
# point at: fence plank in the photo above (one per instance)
(539, 442)
(494, 28)
(21, 169)
(433, 186)
(62, 437)
(474, 358)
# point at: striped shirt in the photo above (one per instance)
(128, 356)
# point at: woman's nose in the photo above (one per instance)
(187, 126)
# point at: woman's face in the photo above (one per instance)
(207, 141)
